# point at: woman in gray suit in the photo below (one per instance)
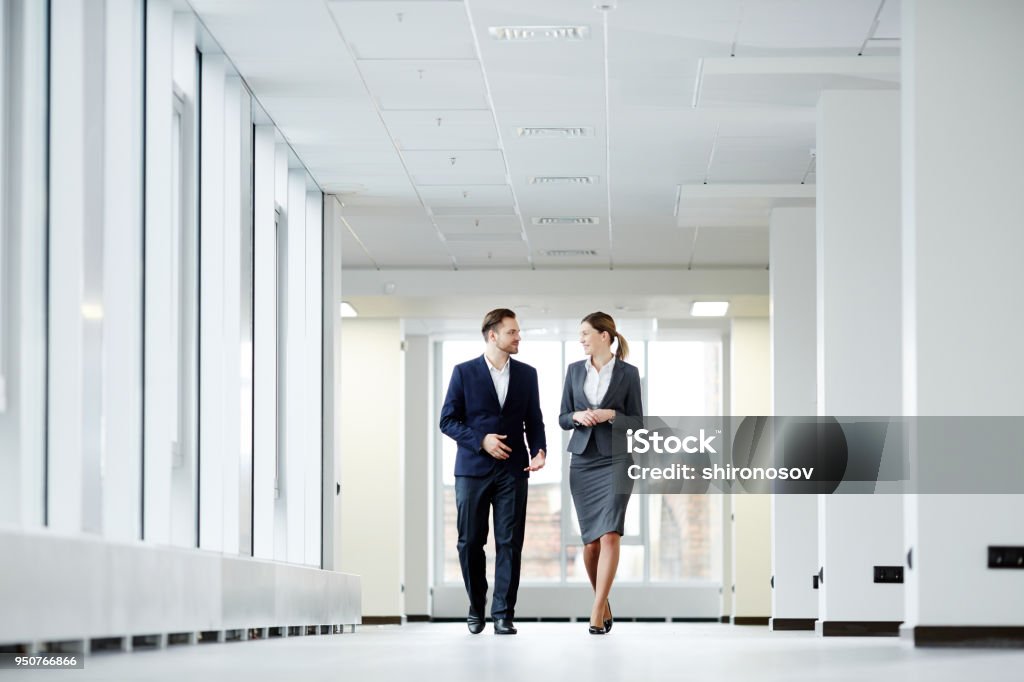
(597, 391)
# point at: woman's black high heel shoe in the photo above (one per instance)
(611, 620)
(595, 630)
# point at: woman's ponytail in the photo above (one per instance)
(623, 350)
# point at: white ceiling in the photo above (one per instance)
(408, 111)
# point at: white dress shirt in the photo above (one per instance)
(500, 379)
(595, 386)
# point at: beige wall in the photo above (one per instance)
(751, 528)
(372, 485)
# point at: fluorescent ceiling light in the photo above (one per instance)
(563, 180)
(347, 310)
(709, 308)
(567, 220)
(536, 33)
(555, 131)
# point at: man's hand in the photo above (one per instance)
(494, 446)
(537, 463)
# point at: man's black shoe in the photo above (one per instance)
(503, 626)
(475, 624)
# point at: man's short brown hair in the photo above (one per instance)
(493, 320)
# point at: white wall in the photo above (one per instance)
(858, 331)
(962, 241)
(791, 281)
(372, 479)
(750, 363)
(83, 276)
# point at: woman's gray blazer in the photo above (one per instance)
(624, 396)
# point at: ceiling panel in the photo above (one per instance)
(352, 253)
(666, 247)
(455, 162)
(379, 29)
(443, 129)
(481, 224)
(420, 65)
(491, 254)
(469, 196)
(569, 237)
(323, 120)
(600, 260)
(805, 24)
(420, 84)
(460, 178)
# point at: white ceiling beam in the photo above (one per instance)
(746, 191)
(871, 67)
(521, 282)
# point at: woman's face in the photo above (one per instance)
(593, 341)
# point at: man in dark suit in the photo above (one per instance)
(492, 401)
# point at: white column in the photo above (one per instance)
(296, 351)
(71, 316)
(418, 474)
(962, 244)
(751, 514)
(264, 346)
(791, 281)
(159, 386)
(122, 272)
(212, 435)
(22, 420)
(231, 353)
(313, 416)
(331, 411)
(372, 485)
(858, 331)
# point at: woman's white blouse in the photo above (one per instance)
(596, 384)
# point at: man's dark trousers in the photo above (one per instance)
(474, 497)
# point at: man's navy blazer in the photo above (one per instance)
(471, 411)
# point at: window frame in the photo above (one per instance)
(570, 535)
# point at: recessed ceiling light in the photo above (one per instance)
(561, 132)
(567, 220)
(347, 310)
(535, 33)
(709, 308)
(570, 252)
(563, 180)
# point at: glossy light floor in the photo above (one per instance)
(551, 651)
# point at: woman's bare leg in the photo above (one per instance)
(591, 553)
(608, 563)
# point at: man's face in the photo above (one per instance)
(506, 336)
